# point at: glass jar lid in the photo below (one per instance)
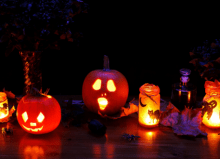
(149, 89)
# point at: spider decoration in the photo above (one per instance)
(130, 137)
(208, 107)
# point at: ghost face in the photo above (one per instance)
(105, 93)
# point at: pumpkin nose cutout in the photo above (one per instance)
(103, 102)
(33, 124)
(103, 94)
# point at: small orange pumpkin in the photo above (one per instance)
(105, 91)
(38, 114)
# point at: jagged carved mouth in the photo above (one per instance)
(33, 129)
(103, 102)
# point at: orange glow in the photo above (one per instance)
(25, 117)
(214, 121)
(3, 115)
(212, 90)
(103, 102)
(179, 93)
(34, 130)
(34, 152)
(97, 84)
(97, 150)
(189, 95)
(33, 124)
(149, 121)
(149, 105)
(40, 117)
(111, 86)
(48, 96)
(4, 112)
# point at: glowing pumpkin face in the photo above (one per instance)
(105, 91)
(38, 114)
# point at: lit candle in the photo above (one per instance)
(4, 111)
(189, 96)
(211, 105)
(149, 105)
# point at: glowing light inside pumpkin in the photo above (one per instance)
(97, 84)
(103, 102)
(33, 124)
(111, 86)
(25, 117)
(33, 129)
(40, 117)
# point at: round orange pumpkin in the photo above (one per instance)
(105, 91)
(38, 114)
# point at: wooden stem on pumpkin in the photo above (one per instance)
(106, 63)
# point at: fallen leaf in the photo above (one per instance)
(189, 123)
(170, 117)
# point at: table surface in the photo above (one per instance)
(79, 142)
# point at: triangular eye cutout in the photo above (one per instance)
(40, 117)
(97, 84)
(111, 86)
(25, 117)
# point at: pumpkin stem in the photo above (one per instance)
(47, 90)
(106, 63)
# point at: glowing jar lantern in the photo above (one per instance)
(149, 105)
(4, 111)
(211, 105)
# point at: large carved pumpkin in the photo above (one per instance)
(105, 91)
(38, 114)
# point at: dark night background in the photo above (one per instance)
(147, 43)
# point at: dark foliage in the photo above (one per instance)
(39, 24)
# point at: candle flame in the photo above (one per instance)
(3, 115)
(189, 95)
(103, 102)
(149, 121)
(215, 118)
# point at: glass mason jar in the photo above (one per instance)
(211, 104)
(184, 93)
(149, 105)
(4, 110)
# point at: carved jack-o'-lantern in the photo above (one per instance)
(38, 114)
(105, 91)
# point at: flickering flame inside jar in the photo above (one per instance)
(3, 115)
(149, 121)
(214, 121)
(189, 95)
(103, 102)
